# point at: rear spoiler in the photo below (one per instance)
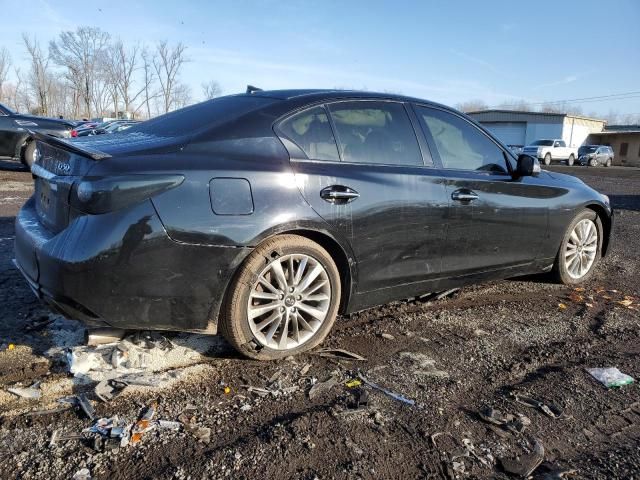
(69, 147)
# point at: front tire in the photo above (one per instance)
(283, 300)
(29, 154)
(580, 249)
(547, 159)
(571, 160)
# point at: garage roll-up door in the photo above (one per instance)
(509, 133)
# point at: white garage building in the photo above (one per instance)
(515, 128)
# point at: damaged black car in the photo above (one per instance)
(265, 215)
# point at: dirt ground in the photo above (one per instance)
(454, 357)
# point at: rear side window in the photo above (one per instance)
(310, 130)
(201, 116)
(375, 132)
(461, 145)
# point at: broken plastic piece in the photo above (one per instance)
(83, 363)
(322, 387)
(82, 474)
(86, 406)
(525, 464)
(515, 424)
(169, 425)
(353, 383)
(56, 437)
(391, 394)
(107, 390)
(339, 354)
(610, 377)
(32, 392)
(547, 408)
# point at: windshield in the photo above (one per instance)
(543, 143)
(202, 115)
(587, 149)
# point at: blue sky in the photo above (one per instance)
(444, 51)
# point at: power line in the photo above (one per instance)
(598, 98)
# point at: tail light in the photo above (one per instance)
(96, 195)
(74, 133)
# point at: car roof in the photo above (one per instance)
(319, 95)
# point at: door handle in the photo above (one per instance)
(464, 195)
(338, 194)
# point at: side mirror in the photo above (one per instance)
(528, 166)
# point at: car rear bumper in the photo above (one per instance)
(121, 269)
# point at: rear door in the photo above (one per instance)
(495, 221)
(361, 167)
(7, 135)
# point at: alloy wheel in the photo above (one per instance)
(289, 301)
(581, 249)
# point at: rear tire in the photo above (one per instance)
(275, 291)
(571, 160)
(547, 159)
(608, 162)
(29, 154)
(580, 250)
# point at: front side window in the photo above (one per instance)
(375, 132)
(310, 130)
(461, 145)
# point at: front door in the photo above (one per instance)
(371, 183)
(495, 221)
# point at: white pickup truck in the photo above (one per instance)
(547, 151)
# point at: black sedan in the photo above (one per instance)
(265, 215)
(16, 140)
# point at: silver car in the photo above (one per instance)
(594, 155)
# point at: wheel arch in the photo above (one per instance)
(606, 221)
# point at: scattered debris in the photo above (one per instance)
(525, 464)
(86, 406)
(82, 363)
(188, 420)
(547, 408)
(354, 382)
(32, 392)
(424, 365)
(107, 390)
(56, 437)
(305, 369)
(610, 377)
(144, 424)
(391, 394)
(446, 293)
(388, 336)
(82, 474)
(339, 354)
(562, 306)
(321, 387)
(513, 423)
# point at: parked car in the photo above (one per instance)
(548, 151)
(594, 155)
(264, 215)
(115, 127)
(16, 140)
(84, 126)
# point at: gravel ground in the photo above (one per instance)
(454, 357)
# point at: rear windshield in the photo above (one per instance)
(543, 143)
(202, 115)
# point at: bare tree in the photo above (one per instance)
(124, 65)
(472, 106)
(83, 54)
(167, 64)
(148, 78)
(181, 96)
(5, 65)
(211, 89)
(517, 105)
(38, 77)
